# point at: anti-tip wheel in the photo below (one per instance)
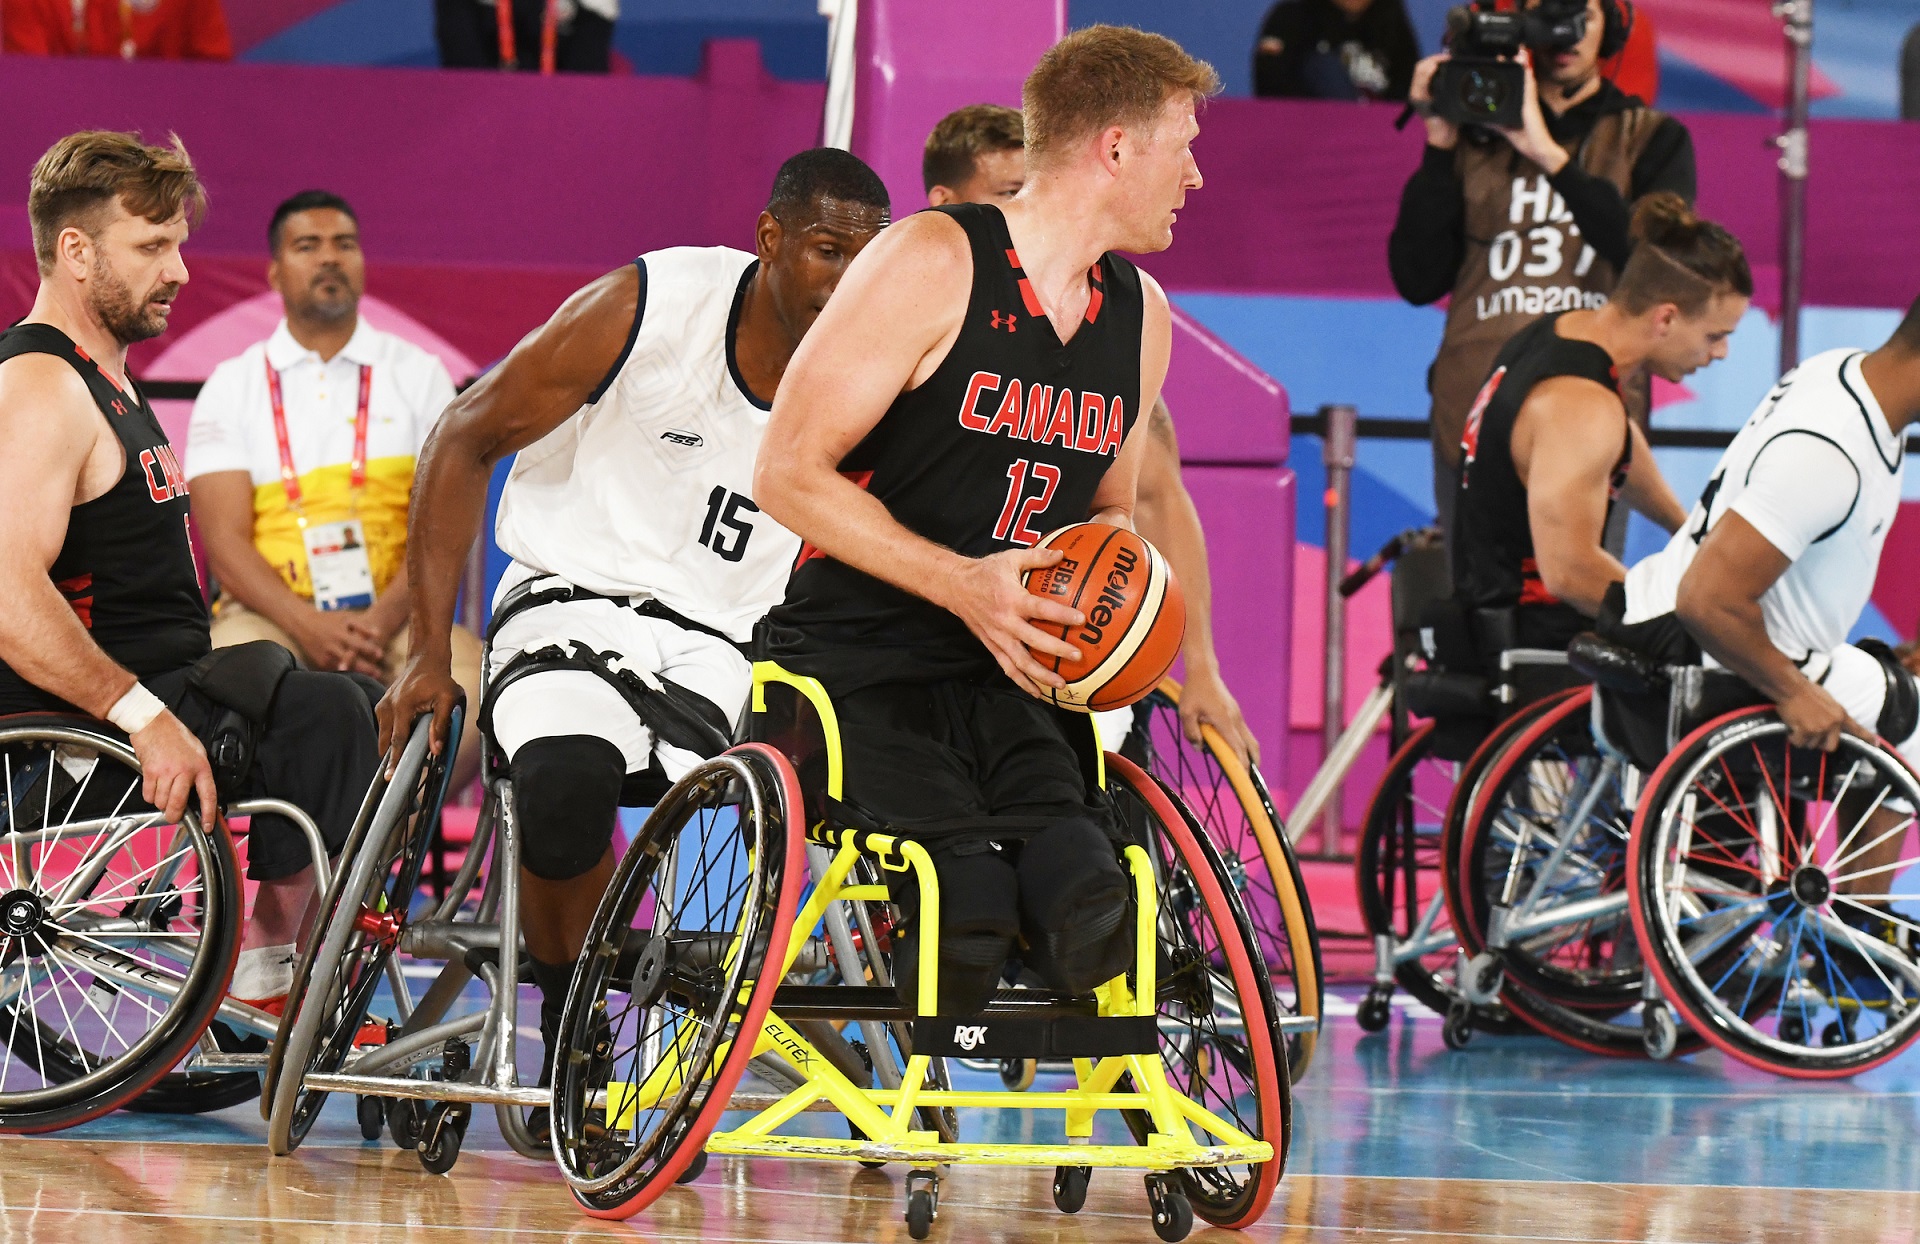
(1457, 1029)
(1070, 1187)
(1172, 1211)
(405, 1116)
(441, 1147)
(372, 1112)
(1018, 1073)
(1659, 1033)
(695, 1169)
(923, 1203)
(1376, 1011)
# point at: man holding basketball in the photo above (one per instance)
(902, 450)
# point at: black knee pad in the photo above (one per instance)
(979, 918)
(566, 793)
(1074, 911)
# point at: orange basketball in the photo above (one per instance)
(1135, 615)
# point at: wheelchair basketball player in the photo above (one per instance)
(902, 451)
(636, 412)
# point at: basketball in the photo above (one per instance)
(1135, 615)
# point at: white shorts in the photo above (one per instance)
(562, 702)
(1854, 678)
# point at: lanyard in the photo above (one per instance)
(356, 473)
(549, 34)
(126, 28)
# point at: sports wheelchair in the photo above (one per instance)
(119, 930)
(1471, 683)
(1656, 846)
(701, 960)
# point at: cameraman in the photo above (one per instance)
(1520, 223)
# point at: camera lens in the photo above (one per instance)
(1482, 93)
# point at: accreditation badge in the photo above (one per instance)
(337, 565)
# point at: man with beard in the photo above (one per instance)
(104, 614)
(301, 456)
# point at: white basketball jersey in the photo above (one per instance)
(1825, 494)
(647, 489)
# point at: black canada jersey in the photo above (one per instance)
(1007, 440)
(1492, 555)
(126, 566)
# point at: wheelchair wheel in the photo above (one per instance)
(1230, 800)
(1219, 1036)
(667, 1000)
(1762, 918)
(118, 930)
(361, 920)
(1398, 870)
(1550, 830)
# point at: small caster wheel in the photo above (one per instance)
(1172, 1212)
(373, 1116)
(695, 1169)
(405, 1119)
(923, 1203)
(440, 1147)
(1376, 1010)
(1837, 1032)
(1017, 1073)
(1070, 1187)
(1793, 1029)
(1457, 1029)
(1659, 1034)
(1482, 977)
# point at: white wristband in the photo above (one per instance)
(135, 710)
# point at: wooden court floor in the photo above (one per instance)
(174, 1193)
(1397, 1141)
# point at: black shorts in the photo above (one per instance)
(935, 753)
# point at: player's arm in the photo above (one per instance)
(48, 424)
(1567, 440)
(1798, 487)
(886, 329)
(1646, 489)
(546, 378)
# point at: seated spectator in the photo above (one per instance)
(149, 30)
(300, 455)
(1335, 49)
(565, 36)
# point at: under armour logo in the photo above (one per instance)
(969, 1036)
(1001, 319)
(118, 409)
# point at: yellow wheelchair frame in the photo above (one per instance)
(888, 1117)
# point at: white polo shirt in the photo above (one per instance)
(232, 430)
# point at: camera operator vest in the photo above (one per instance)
(1524, 259)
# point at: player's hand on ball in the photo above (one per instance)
(988, 594)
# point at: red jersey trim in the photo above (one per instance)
(860, 480)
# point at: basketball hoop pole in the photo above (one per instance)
(1797, 18)
(1337, 451)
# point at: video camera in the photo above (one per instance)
(1482, 82)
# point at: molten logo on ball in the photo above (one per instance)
(1133, 616)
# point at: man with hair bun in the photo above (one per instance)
(900, 439)
(977, 154)
(1548, 447)
(104, 614)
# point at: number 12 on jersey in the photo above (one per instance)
(725, 531)
(1022, 504)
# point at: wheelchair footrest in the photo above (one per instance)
(994, 1035)
(926, 1149)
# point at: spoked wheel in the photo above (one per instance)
(673, 989)
(1773, 890)
(1399, 874)
(361, 920)
(118, 929)
(1230, 800)
(1219, 1040)
(1548, 831)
